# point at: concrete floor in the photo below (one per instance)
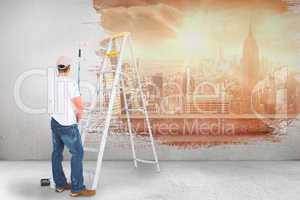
(176, 181)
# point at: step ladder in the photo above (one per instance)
(116, 82)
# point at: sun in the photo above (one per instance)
(191, 35)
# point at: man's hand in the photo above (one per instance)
(78, 103)
(78, 117)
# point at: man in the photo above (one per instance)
(67, 111)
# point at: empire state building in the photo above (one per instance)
(250, 72)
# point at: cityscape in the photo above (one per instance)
(245, 86)
(223, 98)
(212, 73)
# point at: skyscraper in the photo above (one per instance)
(250, 70)
(157, 80)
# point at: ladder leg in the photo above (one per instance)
(99, 159)
(98, 96)
(88, 121)
(150, 131)
(129, 124)
(135, 68)
(152, 143)
(108, 116)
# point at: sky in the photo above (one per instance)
(169, 29)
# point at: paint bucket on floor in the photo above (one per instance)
(45, 182)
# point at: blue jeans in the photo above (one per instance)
(69, 136)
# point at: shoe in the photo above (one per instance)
(61, 189)
(84, 193)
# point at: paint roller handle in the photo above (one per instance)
(79, 53)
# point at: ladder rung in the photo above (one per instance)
(133, 90)
(145, 161)
(109, 89)
(106, 89)
(136, 110)
(142, 133)
(91, 150)
(97, 112)
(100, 128)
(94, 131)
(111, 71)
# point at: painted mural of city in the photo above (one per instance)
(212, 78)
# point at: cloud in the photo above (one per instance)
(145, 22)
(152, 19)
(276, 5)
(154, 24)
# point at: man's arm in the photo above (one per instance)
(78, 103)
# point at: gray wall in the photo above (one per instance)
(33, 34)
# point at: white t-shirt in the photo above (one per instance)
(63, 90)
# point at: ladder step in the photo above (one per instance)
(142, 133)
(98, 112)
(146, 161)
(109, 89)
(106, 89)
(134, 92)
(136, 110)
(91, 150)
(111, 71)
(100, 129)
(94, 131)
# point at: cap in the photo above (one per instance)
(63, 62)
